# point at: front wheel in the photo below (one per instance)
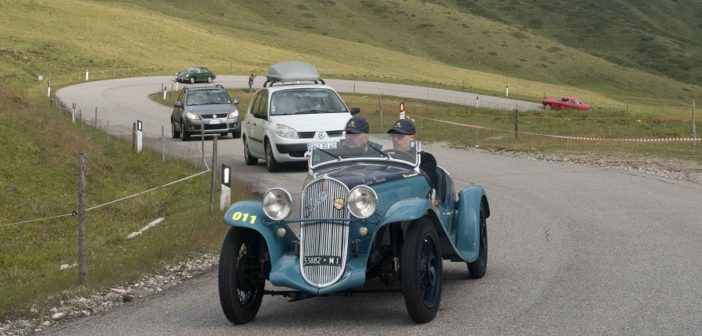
(175, 133)
(271, 163)
(186, 135)
(421, 271)
(209, 79)
(547, 107)
(241, 278)
(250, 159)
(192, 80)
(236, 134)
(479, 266)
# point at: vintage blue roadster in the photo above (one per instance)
(364, 214)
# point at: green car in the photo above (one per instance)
(195, 74)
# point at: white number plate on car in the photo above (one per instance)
(214, 121)
(321, 145)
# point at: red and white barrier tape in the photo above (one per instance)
(567, 137)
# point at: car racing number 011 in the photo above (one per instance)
(244, 217)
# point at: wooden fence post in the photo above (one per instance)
(213, 184)
(694, 126)
(82, 253)
(516, 124)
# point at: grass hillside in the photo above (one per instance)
(409, 41)
(663, 37)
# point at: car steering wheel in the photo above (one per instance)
(399, 154)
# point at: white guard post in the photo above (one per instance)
(138, 135)
(402, 110)
(225, 196)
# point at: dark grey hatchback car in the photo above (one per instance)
(211, 107)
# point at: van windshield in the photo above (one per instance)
(306, 101)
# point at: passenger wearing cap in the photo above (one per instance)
(403, 133)
(356, 133)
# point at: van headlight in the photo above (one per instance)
(285, 131)
(277, 204)
(192, 116)
(233, 115)
(362, 202)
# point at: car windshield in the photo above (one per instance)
(379, 148)
(306, 101)
(205, 97)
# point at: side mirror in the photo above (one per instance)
(355, 110)
(235, 101)
(178, 104)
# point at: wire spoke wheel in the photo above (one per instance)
(241, 277)
(421, 271)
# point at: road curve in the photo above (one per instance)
(574, 250)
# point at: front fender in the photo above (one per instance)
(407, 210)
(471, 199)
(249, 215)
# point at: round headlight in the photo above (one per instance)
(277, 204)
(362, 202)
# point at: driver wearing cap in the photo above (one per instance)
(403, 133)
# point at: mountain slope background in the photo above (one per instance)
(479, 46)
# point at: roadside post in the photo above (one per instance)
(87, 75)
(82, 253)
(477, 99)
(137, 135)
(516, 124)
(225, 194)
(506, 90)
(402, 110)
(165, 91)
(73, 113)
(213, 184)
(694, 126)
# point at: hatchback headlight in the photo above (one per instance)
(277, 204)
(362, 202)
(192, 116)
(285, 131)
(233, 115)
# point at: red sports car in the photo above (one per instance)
(565, 102)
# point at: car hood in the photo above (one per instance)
(313, 122)
(210, 108)
(367, 173)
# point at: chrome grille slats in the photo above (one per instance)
(326, 238)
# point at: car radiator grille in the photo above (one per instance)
(323, 244)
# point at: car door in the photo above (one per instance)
(177, 113)
(255, 123)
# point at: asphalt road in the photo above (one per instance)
(573, 250)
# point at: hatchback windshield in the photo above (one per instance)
(204, 97)
(306, 101)
(379, 148)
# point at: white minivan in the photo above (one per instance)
(294, 108)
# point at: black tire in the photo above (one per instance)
(250, 159)
(209, 79)
(271, 163)
(185, 134)
(241, 282)
(479, 266)
(174, 132)
(547, 107)
(236, 134)
(192, 80)
(422, 268)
